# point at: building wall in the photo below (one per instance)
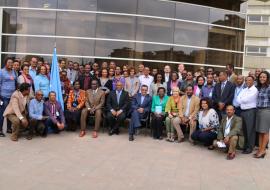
(257, 36)
(127, 31)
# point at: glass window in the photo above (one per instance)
(191, 34)
(75, 47)
(90, 5)
(153, 52)
(120, 6)
(76, 24)
(224, 38)
(9, 21)
(254, 18)
(191, 12)
(116, 27)
(223, 58)
(189, 55)
(36, 22)
(35, 45)
(114, 49)
(156, 8)
(154, 30)
(225, 18)
(33, 3)
(8, 43)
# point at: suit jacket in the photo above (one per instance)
(194, 106)
(226, 97)
(236, 127)
(58, 107)
(112, 101)
(96, 99)
(17, 105)
(146, 104)
(169, 87)
(81, 80)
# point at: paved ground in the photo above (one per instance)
(68, 162)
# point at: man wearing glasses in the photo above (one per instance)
(36, 115)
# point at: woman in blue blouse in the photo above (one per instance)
(42, 82)
(158, 109)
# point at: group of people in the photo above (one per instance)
(219, 109)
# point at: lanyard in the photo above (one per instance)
(228, 123)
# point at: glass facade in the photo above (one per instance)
(152, 32)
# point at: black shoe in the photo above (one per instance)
(117, 131)
(111, 132)
(131, 138)
(29, 137)
(247, 151)
(9, 130)
(2, 134)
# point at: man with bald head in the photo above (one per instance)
(117, 108)
(240, 85)
(229, 132)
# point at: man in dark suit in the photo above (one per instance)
(117, 106)
(86, 78)
(140, 108)
(223, 94)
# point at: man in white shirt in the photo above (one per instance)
(167, 73)
(240, 85)
(181, 68)
(248, 101)
(146, 78)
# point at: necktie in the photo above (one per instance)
(222, 87)
(118, 97)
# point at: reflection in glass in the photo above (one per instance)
(34, 45)
(76, 24)
(191, 12)
(75, 47)
(90, 5)
(190, 34)
(223, 58)
(32, 3)
(224, 38)
(8, 43)
(154, 30)
(120, 6)
(114, 49)
(156, 8)
(222, 17)
(116, 27)
(36, 22)
(153, 52)
(9, 21)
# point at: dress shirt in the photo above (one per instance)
(7, 82)
(36, 109)
(248, 98)
(188, 107)
(146, 80)
(32, 72)
(167, 77)
(227, 126)
(207, 91)
(237, 91)
(223, 84)
(118, 95)
(142, 99)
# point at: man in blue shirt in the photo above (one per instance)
(140, 108)
(33, 67)
(36, 115)
(207, 90)
(7, 87)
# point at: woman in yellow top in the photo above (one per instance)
(172, 110)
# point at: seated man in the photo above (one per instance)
(16, 112)
(229, 130)
(117, 106)
(54, 111)
(94, 102)
(36, 117)
(140, 108)
(189, 108)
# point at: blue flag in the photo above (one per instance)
(55, 84)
